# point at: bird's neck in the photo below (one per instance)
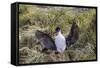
(59, 33)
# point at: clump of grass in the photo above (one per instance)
(25, 55)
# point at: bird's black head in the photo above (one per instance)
(57, 29)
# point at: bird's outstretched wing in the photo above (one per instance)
(45, 40)
(73, 35)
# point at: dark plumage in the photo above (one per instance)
(45, 40)
(57, 29)
(73, 35)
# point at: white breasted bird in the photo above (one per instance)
(60, 41)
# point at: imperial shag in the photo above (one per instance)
(60, 43)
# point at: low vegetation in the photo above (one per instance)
(46, 19)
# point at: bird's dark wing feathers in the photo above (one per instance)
(46, 40)
(73, 35)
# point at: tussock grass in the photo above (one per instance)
(46, 19)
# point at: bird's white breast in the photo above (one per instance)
(60, 43)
